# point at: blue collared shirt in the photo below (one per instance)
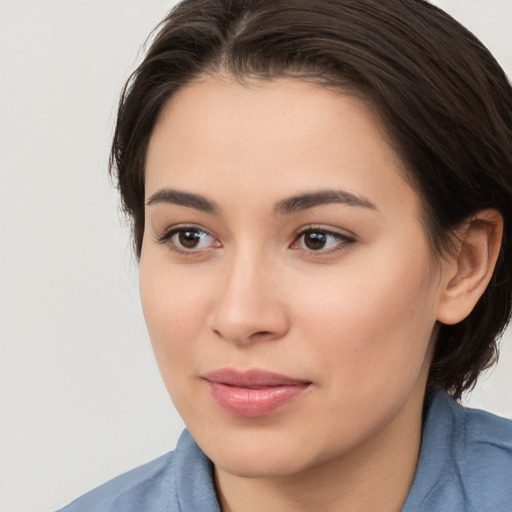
(465, 465)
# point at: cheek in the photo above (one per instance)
(175, 306)
(174, 311)
(372, 321)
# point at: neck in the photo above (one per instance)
(376, 475)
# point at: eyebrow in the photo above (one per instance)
(310, 200)
(284, 207)
(187, 199)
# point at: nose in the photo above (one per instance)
(248, 306)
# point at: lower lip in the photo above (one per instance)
(254, 403)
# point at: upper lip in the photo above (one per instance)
(251, 378)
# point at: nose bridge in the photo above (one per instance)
(248, 306)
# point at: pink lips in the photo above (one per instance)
(252, 393)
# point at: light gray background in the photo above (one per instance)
(81, 398)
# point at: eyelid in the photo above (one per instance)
(326, 229)
(345, 240)
(168, 233)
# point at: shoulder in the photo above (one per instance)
(485, 459)
(488, 431)
(141, 488)
(180, 481)
(465, 462)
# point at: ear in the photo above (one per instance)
(467, 273)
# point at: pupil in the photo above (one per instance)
(189, 239)
(315, 241)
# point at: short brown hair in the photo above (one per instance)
(446, 104)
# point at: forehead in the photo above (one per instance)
(272, 138)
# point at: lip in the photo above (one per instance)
(253, 393)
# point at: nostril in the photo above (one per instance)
(261, 334)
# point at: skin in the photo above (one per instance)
(355, 318)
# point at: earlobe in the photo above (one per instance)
(470, 269)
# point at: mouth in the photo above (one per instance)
(253, 393)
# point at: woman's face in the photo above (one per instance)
(285, 276)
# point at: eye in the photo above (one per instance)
(187, 239)
(321, 240)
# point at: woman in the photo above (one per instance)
(320, 200)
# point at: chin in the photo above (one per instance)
(264, 465)
(259, 453)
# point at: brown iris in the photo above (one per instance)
(315, 240)
(189, 239)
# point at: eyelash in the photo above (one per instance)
(342, 241)
(166, 239)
